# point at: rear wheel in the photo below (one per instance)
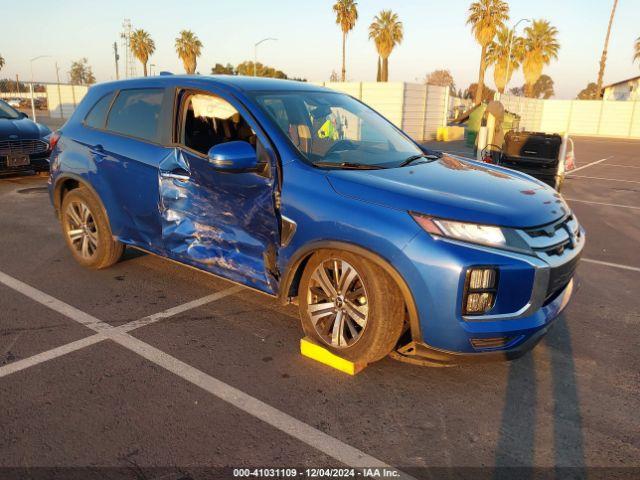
(87, 232)
(350, 306)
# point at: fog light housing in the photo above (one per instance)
(480, 290)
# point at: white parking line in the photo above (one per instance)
(88, 320)
(278, 419)
(609, 264)
(603, 203)
(590, 164)
(603, 178)
(170, 312)
(50, 354)
(284, 422)
(618, 165)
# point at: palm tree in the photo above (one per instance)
(603, 58)
(497, 54)
(346, 15)
(386, 31)
(142, 47)
(485, 18)
(188, 47)
(636, 52)
(540, 47)
(1, 62)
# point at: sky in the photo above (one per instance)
(309, 41)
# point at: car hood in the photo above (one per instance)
(456, 189)
(21, 129)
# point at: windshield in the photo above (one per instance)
(332, 128)
(8, 112)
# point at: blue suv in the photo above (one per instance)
(310, 196)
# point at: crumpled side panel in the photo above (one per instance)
(218, 221)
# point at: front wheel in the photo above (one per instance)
(350, 305)
(87, 232)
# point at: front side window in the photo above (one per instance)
(208, 120)
(136, 113)
(8, 112)
(96, 116)
(332, 128)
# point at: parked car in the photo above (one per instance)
(310, 196)
(14, 102)
(24, 144)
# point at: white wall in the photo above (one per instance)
(416, 108)
(577, 117)
(62, 100)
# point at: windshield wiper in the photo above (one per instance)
(413, 158)
(349, 165)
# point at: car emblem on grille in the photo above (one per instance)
(13, 137)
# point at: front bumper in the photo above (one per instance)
(37, 162)
(533, 289)
(419, 353)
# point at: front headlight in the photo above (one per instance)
(466, 232)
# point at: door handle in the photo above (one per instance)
(98, 153)
(180, 174)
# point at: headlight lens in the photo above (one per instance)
(466, 232)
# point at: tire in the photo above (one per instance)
(363, 300)
(87, 232)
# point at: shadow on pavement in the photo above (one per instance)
(516, 445)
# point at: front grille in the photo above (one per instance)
(560, 276)
(555, 238)
(22, 147)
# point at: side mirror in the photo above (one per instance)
(233, 157)
(23, 115)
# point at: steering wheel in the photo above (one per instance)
(341, 145)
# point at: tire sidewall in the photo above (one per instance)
(367, 347)
(102, 227)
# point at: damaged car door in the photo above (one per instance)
(217, 193)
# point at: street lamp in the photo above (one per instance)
(512, 33)
(33, 105)
(255, 53)
(151, 65)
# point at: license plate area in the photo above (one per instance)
(17, 160)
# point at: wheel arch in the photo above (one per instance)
(68, 181)
(293, 273)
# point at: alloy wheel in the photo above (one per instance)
(81, 229)
(337, 303)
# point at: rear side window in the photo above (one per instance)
(136, 113)
(96, 116)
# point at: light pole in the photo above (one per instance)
(255, 53)
(151, 65)
(33, 105)
(512, 33)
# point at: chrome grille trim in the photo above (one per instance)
(553, 239)
(22, 147)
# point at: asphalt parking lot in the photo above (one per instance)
(151, 364)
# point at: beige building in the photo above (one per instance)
(625, 90)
